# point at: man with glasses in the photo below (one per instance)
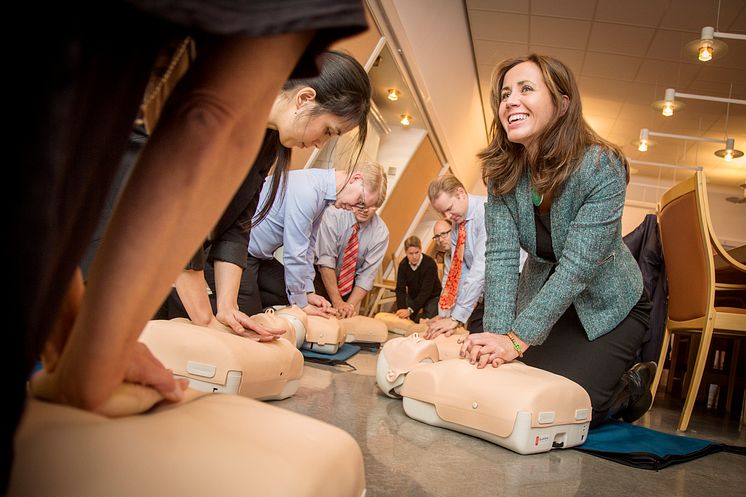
(442, 239)
(460, 301)
(350, 247)
(292, 223)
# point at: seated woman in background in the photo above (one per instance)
(556, 189)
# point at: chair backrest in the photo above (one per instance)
(683, 216)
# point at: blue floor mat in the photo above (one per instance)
(345, 352)
(644, 448)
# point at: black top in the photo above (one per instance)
(229, 239)
(544, 236)
(415, 288)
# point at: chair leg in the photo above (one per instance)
(674, 363)
(661, 362)
(374, 306)
(732, 374)
(696, 376)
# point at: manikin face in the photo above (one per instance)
(355, 196)
(301, 126)
(526, 106)
(363, 215)
(413, 255)
(452, 206)
(442, 236)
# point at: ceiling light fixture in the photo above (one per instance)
(644, 142)
(728, 153)
(669, 103)
(406, 120)
(393, 94)
(707, 47)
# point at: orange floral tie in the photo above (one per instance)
(448, 296)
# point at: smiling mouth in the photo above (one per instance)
(516, 118)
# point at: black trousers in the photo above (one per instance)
(262, 285)
(318, 285)
(595, 365)
(474, 324)
(429, 310)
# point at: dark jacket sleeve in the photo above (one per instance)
(401, 286)
(429, 277)
(230, 238)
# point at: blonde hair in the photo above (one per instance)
(374, 179)
(562, 143)
(447, 183)
(412, 241)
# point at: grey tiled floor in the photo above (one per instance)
(404, 457)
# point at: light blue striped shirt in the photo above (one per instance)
(471, 283)
(292, 223)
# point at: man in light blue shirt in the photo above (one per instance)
(332, 240)
(292, 224)
(448, 196)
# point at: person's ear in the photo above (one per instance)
(355, 177)
(305, 96)
(564, 104)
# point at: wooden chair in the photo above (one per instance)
(688, 242)
(384, 291)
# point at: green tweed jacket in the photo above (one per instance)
(595, 270)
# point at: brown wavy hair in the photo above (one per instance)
(561, 145)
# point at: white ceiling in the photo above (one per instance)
(624, 55)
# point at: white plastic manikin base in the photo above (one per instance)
(364, 329)
(323, 335)
(215, 445)
(519, 407)
(219, 361)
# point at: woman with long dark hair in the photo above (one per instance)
(306, 113)
(556, 189)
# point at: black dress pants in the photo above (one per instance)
(595, 365)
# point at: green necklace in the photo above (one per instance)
(536, 199)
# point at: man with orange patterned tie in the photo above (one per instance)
(350, 246)
(463, 275)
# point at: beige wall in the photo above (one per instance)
(361, 47)
(406, 198)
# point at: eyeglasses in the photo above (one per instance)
(438, 236)
(361, 203)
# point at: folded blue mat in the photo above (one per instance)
(644, 448)
(345, 352)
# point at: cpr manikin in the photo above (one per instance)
(519, 407)
(405, 326)
(216, 360)
(327, 335)
(364, 329)
(324, 335)
(222, 445)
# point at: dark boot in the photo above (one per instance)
(633, 398)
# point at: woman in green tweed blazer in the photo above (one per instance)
(556, 189)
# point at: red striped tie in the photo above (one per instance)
(349, 262)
